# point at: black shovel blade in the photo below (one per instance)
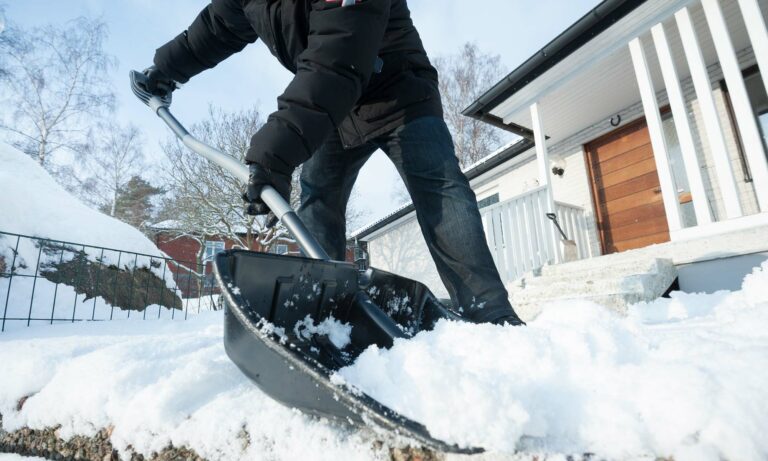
(268, 298)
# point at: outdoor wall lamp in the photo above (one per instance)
(558, 171)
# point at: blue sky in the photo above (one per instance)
(513, 29)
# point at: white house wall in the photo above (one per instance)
(401, 249)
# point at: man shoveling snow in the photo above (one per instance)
(681, 378)
(362, 82)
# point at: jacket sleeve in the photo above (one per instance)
(332, 72)
(219, 31)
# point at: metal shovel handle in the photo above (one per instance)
(553, 217)
(269, 195)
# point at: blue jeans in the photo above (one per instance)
(446, 208)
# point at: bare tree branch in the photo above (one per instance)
(53, 83)
(464, 76)
(203, 199)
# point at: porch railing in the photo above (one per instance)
(520, 235)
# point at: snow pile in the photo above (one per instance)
(33, 204)
(157, 383)
(682, 377)
(337, 332)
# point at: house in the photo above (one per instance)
(193, 270)
(644, 128)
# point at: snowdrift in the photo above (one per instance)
(33, 204)
(682, 377)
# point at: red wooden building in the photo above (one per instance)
(193, 271)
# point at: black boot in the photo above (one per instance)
(498, 315)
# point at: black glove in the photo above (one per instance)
(158, 83)
(260, 177)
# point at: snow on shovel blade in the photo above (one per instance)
(291, 322)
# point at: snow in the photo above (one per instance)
(337, 332)
(33, 204)
(11, 457)
(682, 377)
(157, 383)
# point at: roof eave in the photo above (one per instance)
(590, 25)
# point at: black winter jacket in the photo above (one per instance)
(335, 48)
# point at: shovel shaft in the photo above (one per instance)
(271, 197)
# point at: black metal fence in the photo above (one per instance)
(44, 281)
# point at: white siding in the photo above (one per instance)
(509, 181)
(401, 249)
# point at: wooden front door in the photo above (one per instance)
(626, 189)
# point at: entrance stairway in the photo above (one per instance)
(614, 281)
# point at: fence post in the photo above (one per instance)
(162, 290)
(56, 288)
(133, 280)
(114, 285)
(10, 281)
(146, 290)
(34, 284)
(96, 288)
(74, 305)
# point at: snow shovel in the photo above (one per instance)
(570, 251)
(287, 318)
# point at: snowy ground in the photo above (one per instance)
(682, 377)
(11, 457)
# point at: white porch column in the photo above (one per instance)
(758, 35)
(745, 118)
(712, 126)
(656, 130)
(682, 125)
(542, 159)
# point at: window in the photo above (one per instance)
(759, 99)
(212, 248)
(759, 102)
(680, 176)
(280, 249)
(488, 201)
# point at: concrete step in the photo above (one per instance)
(614, 282)
(596, 275)
(618, 302)
(549, 287)
(616, 265)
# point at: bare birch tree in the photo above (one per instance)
(465, 76)
(53, 83)
(111, 160)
